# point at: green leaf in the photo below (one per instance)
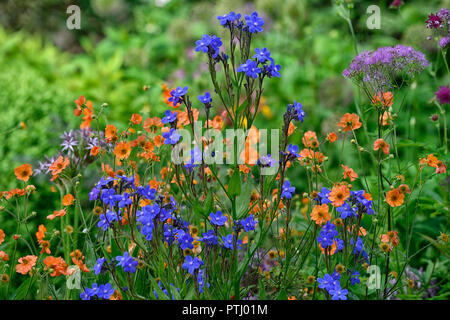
(234, 187)
(22, 291)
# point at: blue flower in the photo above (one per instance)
(293, 149)
(147, 192)
(93, 195)
(300, 114)
(92, 291)
(109, 197)
(186, 241)
(206, 98)
(169, 117)
(250, 68)
(323, 196)
(84, 295)
(337, 293)
(105, 291)
(203, 43)
(325, 240)
(145, 219)
(127, 262)
(228, 242)
(254, 23)
(209, 238)
(273, 70)
(287, 190)
(171, 137)
(107, 219)
(325, 282)
(249, 224)
(125, 200)
(200, 281)
(218, 219)
(176, 94)
(191, 264)
(265, 161)
(262, 55)
(98, 266)
(354, 278)
(230, 17)
(347, 211)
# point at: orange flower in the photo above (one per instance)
(122, 150)
(40, 235)
(23, 172)
(390, 237)
(349, 173)
(310, 139)
(442, 168)
(95, 150)
(320, 214)
(2, 236)
(110, 132)
(167, 95)
(26, 264)
(291, 128)
(432, 161)
(87, 119)
(45, 245)
(67, 199)
(77, 259)
(350, 122)
(339, 194)
(395, 198)
(386, 118)
(136, 118)
(386, 99)
(56, 265)
(59, 165)
(57, 213)
(381, 144)
(403, 188)
(332, 137)
(4, 256)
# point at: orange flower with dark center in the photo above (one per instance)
(45, 246)
(110, 132)
(59, 165)
(57, 266)
(349, 122)
(395, 198)
(385, 99)
(320, 214)
(67, 200)
(381, 144)
(26, 264)
(339, 194)
(57, 213)
(122, 150)
(331, 137)
(136, 118)
(310, 140)
(403, 188)
(23, 172)
(349, 173)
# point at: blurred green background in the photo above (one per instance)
(124, 45)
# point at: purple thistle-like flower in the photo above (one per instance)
(443, 95)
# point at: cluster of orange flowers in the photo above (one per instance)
(433, 162)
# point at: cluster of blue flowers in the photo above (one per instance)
(104, 291)
(209, 44)
(175, 96)
(263, 64)
(233, 20)
(331, 284)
